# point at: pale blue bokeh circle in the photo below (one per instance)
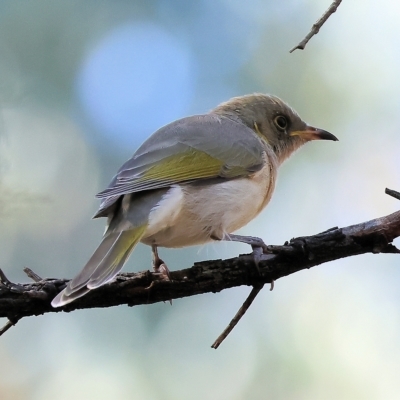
(138, 78)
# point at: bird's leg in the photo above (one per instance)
(256, 243)
(159, 265)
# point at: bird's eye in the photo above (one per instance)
(281, 122)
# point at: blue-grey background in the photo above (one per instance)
(83, 83)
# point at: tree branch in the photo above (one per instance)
(317, 26)
(375, 236)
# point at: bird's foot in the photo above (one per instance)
(159, 265)
(253, 241)
(257, 244)
(161, 268)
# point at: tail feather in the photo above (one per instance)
(113, 261)
(62, 299)
(80, 280)
(105, 263)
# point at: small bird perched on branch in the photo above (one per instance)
(194, 180)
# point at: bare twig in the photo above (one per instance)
(317, 26)
(242, 310)
(12, 287)
(3, 279)
(33, 275)
(7, 326)
(393, 193)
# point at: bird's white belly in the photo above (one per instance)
(194, 214)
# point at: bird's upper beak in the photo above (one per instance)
(311, 133)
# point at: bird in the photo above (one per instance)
(193, 181)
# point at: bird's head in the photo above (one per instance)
(273, 121)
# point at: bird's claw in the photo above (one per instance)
(257, 256)
(159, 265)
(260, 249)
(256, 242)
(162, 270)
(257, 253)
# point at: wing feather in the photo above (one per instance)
(194, 148)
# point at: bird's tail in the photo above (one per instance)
(105, 263)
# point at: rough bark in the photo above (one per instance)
(375, 236)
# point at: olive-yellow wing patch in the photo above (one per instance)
(187, 150)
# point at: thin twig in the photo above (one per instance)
(33, 275)
(3, 279)
(242, 310)
(14, 287)
(7, 326)
(393, 193)
(317, 26)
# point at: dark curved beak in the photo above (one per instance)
(311, 133)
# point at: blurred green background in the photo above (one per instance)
(83, 83)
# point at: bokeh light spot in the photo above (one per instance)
(138, 78)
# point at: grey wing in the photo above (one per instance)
(229, 148)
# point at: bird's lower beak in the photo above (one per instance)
(311, 133)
